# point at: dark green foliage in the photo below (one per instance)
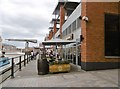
(59, 62)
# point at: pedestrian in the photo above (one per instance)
(32, 55)
(3, 54)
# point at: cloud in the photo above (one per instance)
(0, 32)
(25, 22)
(25, 19)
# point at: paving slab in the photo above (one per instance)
(28, 77)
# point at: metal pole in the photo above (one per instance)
(72, 54)
(27, 58)
(65, 53)
(24, 60)
(56, 52)
(30, 57)
(76, 55)
(12, 68)
(20, 63)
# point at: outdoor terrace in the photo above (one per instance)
(28, 77)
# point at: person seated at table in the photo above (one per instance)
(59, 58)
(32, 55)
(51, 56)
(57, 55)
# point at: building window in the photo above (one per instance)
(69, 28)
(112, 35)
(64, 33)
(74, 25)
(78, 23)
(67, 31)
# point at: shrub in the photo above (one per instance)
(59, 62)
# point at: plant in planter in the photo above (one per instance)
(59, 66)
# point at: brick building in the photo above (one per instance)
(100, 47)
(98, 32)
(9, 48)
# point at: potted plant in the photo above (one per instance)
(59, 66)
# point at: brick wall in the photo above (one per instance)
(92, 48)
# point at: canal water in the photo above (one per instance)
(4, 76)
(11, 55)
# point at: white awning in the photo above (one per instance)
(57, 41)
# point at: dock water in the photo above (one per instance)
(6, 75)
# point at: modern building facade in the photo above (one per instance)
(95, 28)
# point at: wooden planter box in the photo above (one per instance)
(59, 68)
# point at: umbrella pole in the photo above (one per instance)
(56, 53)
(76, 55)
(65, 52)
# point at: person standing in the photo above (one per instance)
(32, 55)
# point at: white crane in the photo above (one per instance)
(24, 40)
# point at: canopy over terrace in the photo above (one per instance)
(56, 42)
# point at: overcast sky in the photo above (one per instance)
(25, 19)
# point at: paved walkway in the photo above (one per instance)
(28, 77)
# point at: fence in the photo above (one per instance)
(16, 64)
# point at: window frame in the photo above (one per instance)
(110, 56)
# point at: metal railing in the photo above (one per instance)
(15, 66)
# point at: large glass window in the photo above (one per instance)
(112, 35)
